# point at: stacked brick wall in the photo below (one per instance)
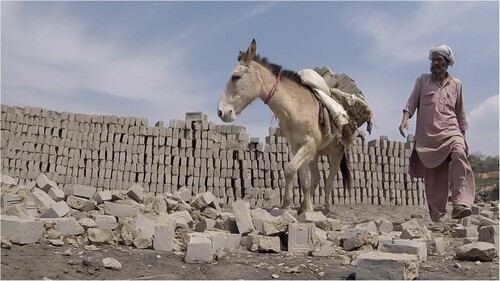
(111, 152)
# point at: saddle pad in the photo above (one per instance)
(317, 83)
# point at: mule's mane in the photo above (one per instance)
(276, 68)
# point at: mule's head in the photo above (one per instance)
(242, 88)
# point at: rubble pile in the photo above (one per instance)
(204, 229)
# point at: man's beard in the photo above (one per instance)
(438, 72)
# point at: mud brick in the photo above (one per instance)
(199, 250)
(164, 235)
(182, 217)
(405, 246)
(203, 199)
(300, 237)
(435, 246)
(462, 232)
(11, 199)
(105, 221)
(81, 204)
(80, 190)
(482, 251)
(136, 192)
(66, 226)
(44, 183)
(489, 234)
(222, 240)
(21, 231)
(120, 210)
(370, 226)
(387, 266)
(42, 200)
(260, 243)
(241, 210)
(58, 210)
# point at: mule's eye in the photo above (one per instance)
(235, 78)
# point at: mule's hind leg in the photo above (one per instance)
(334, 162)
(303, 156)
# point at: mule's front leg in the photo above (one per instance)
(290, 172)
(305, 185)
(303, 155)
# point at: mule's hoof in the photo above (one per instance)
(302, 210)
(286, 207)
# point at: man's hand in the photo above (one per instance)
(404, 124)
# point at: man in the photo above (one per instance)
(440, 149)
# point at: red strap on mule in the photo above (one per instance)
(273, 90)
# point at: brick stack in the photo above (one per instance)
(110, 152)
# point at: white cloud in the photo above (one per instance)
(399, 52)
(246, 15)
(55, 55)
(483, 134)
(400, 40)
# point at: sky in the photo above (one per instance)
(161, 59)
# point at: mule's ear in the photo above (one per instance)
(250, 53)
(240, 55)
(252, 49)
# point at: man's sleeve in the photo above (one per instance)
(414, 99)
(460, 109)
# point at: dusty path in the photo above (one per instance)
(39, 261)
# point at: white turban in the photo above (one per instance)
(443, 50)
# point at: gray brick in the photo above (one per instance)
(300, 237)
(21, 231)
(105, 221)
(58, 210)
(120, 210)
(403, 246)
(66, 226)
(42, 200)
(182, 217)
(164, 235)
(489, 234)
(102, 196)
(241, 210)
(136, 192)
(482, 251)
(45, 183)
(56, 194)
(266, 244)
(387, 266)
(199, 250)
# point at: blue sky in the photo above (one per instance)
(159, 60)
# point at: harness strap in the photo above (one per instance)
(273, 89)
(321, 116)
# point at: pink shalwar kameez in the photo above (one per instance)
(440, 147)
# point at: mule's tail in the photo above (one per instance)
(345, 170)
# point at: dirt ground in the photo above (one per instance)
(43, 261)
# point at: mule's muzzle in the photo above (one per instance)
(227, 115)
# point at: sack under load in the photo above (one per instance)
(317, 83)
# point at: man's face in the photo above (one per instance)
(439, 66)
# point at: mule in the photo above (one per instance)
(297, 110)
